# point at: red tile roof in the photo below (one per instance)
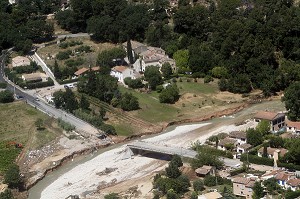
(120, 69)
(80, 71)
(238, 134)
(270, 150)
(284, 176)
(245, 181)
(292, 124)
(266, 115)
(294, 182)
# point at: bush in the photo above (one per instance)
(159, 88)
(198, 185)
(257, 160)
(12, 177)
(6, 96)
(83, 49)
(63, 55)
(222, 84)
(237, 171)
(74, 62)
(169, 95)
(198, 75)
(108, 129)
(3, 85)
(38, 84)
(65, 125)
(27, 69)
(129, 102)
(208, 79)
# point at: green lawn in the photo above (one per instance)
(151, 109)
(123, 129)
(196, 87)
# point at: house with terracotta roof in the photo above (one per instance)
(271, 152)
(226, 143)
(83, 71)
(283, 177)
(239, 136)
(20, 61)
(293, 184)
(293, 127)
(205, 170)
(121, 72)
(243, 148)
(242, 186)
(276, 120)
(137, 47)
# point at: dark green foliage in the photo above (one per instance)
(6, 195)
(272, 186)
(129, 102)
(211, 181)
(223, 84)
(205, 157)
(153, 76)
(166, 70)
(198, 185)
(6, 96)
(12, 177)
(169, 95)
(276, 142)
(257, 160)
(84, 103)
(172, 195)
(291, 100)
(237, 171)
(65, 125)
(254, 137)
(83, 49)
(129, 51)
(172, 171)
(185, 182)
(62, 55)
(56, 71)
(133, 83)
(74, 62)
(65, 100)
(292, 194)
(208, 79)
(105, 58)
(258, 190)
(293, 155)
(108, 129)
(3, 85)
(194, 195)
(27, 69)
(112, 196)
(176, 159)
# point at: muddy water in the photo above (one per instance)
(35, 191)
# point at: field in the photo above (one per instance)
(48, 53)
(196, 99)
(18, 126)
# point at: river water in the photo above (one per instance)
(36, 191)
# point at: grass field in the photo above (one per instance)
(195, 97)
(17, 121)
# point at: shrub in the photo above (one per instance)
(63, 55)
(3, 85)
(169, 95)
(85, 49)
(6, 96)
(208, 79)
(74, 62)
(38, 84)
(237, 171)
(198, 185)
(12, 177)
(65, 125)
(257, 160)
(129, 102)
(108, 129)
(159, 88)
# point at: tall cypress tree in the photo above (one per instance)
(129, 51)
(57, 73)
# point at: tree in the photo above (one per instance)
(219, 72)
(129, 102)
(129, 51)
(106, 57)
(12, 177)
(84, 103)
(198, 185)
(153, 76)
(6, 96)
(184, 183)
(171, 194)
(291, 100)
(172, 170)
(181, 58)
(258, 191)
(194, 195)
(166, 70)
(205, 157)
(57, 73)
(58, 99)
(293, 155)
(254, 137)
(39, 123)
(176, 159)
(71, 103)
(272, 186)
(263, 127)
(210, 181)
(169, 95)
(276, 142)
(112, 196)
(7, 194)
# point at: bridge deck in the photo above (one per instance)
(163, 149)
(146, 146)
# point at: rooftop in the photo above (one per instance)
(83, 70)
(294, 182)
(210, 195)
(238, 134)
(225, 141)
(134, 44)
(204, 170)
(271, 150)
(248, 182)
(120, 69)
(292, 124)
(284, 176)
(245, 146)
(34, 76)
(266, 115)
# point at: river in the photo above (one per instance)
(82, 174)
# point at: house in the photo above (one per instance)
(239, 136)
(35, 77)
(276, 120)
(293, 184)
(243, 148)
(20, 61)
(270, 174)
(83, 71)
(136, 46)
(271, 152)
(227, 143)
(121, 72)
(243, 187)
(283, 177)
(210, 195)
(205, 170)
(293, 127)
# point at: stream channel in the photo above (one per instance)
(35, 191)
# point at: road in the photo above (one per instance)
(31, 99)
(73, 35)
(45, 68)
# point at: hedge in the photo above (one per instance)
(67, 81)
(237, 171)
(38, 84)
(3, 85)
(257, 160)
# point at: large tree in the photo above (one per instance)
(291, 99)
(153, 76)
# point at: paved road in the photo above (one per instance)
(179, 151)
(46, 108)
(73, 35)
(45, 68)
